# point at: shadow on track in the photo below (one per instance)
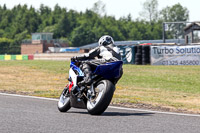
(118, 114)
(125, 114)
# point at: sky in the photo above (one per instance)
(117, 8)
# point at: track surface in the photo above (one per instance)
(30, 115)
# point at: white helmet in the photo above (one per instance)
(106, 40)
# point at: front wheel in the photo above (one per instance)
(64, 101)
(104, 92)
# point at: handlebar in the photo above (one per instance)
(87, 61)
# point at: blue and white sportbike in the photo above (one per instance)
(96, 97)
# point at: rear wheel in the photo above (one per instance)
(64, 101)
(97, 104)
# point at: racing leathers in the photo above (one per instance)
(97, 56)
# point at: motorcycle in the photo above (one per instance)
(96, 97)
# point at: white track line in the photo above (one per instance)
(113, 107)
(42, 98)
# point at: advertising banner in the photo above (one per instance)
(175, 55)
(128, 54)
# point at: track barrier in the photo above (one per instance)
(13, 57)
(7, 57)
(30, 57)
(2, 57)
(138, 54)
(24, 57)
(16, 57)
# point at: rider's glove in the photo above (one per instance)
(73, 59)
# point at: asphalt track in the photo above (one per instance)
(32, 115)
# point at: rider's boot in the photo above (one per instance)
(87, 80)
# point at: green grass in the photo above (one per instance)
(176, 87)
(170, 78)
(50, 66)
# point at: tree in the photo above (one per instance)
(44, 14)
(99, 8)
(63, 27)
(150, 12)
(81, 28)
(82, 35)
(174, 14)
(5, 45)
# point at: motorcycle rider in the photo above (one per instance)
(104, 53)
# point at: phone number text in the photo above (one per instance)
(181, 62)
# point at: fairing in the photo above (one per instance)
(109, 70)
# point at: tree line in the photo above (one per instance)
(81, 28)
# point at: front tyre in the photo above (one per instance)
(104, 92)
(64, 101)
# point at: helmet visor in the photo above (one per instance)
(107, 41)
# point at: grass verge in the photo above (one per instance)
(172, 88)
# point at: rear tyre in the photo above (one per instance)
(104, 93)
(64, 101)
